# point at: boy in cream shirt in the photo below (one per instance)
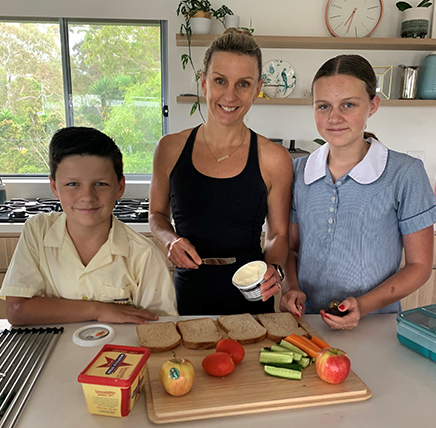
(83, 264)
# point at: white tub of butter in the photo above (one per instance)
(248, 278)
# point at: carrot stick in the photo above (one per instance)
(319, 342)
(304, 344)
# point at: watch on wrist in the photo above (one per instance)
(279, 269)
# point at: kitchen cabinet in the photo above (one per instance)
(424, 296)
(336, 43)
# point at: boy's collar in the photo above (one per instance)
(119, 242)
(368, 170)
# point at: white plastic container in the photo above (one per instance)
(248, 279)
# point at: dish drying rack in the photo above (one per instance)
(23, 352)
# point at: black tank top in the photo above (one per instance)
(221, 217)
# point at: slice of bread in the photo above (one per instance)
(199, 333)
(159, 336)
(280, 325)
(243, 328)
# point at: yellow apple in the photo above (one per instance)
(177, 376)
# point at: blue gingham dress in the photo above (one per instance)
(351, 230)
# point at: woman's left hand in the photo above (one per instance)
(347, 322)
(272, 284)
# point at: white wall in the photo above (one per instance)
(400, 128)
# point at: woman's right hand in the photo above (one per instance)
(183, 255)
(293, 301)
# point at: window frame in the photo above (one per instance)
(63, 22)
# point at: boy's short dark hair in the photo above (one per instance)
(80, 140)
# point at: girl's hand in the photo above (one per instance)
(347, 322)
(183, 255)
(293, 301)
(272, 284)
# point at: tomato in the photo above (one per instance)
(218, 364)
(235, 349)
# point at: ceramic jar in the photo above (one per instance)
(231, 21)
(427, 78)
(201, 22)
(415, 22)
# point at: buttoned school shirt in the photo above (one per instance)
(128, 268)
(351, 230)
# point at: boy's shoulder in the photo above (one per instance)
(132, 236)
(44, 221)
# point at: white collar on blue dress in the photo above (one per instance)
(368, 170)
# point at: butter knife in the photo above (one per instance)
(218, 261)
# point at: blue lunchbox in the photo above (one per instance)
(416, 329)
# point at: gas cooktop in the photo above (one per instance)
(18, 210)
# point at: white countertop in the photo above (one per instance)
(403, 385)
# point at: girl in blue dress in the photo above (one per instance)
(356, 206)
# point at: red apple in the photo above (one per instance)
(177, 376)
(333, 365)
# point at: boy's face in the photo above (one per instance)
(87, 187)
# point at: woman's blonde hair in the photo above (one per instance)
(236, 41)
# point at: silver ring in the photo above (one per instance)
(343, 327)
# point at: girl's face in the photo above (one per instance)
(342, 108)
(231, 86)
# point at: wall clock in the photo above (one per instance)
(353, 18)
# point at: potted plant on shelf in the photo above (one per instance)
(197, 14)
(416, 20)
(226, 17)
(193, 10)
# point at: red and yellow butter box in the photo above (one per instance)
(113, 380)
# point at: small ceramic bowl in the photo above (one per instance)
(248, 278)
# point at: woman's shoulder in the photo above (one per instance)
(174, 140)
(169, 148)
(273, 152)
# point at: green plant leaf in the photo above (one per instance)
(185, 59)
(194, 107)
(402, 5)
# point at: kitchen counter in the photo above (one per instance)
(403, 385)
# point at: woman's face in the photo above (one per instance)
(341, 108)
(231, 86)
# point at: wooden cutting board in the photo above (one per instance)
(247, 390)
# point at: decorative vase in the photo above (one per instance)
(201, 22)
(415, 22)
(427, 78)
(231, 21)
(409, 79)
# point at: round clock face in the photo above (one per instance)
(353, 18)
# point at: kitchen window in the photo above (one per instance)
(111, 75)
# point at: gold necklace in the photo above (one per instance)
(223, 158)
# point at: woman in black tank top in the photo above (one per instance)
(221, 181)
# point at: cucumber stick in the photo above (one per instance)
(278, 348)
(275, 357)
(282, 372)
(304, 362)
(293, 348)
(293, 366)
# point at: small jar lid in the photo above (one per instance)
(93, 335)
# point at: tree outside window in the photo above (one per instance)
(116, 87)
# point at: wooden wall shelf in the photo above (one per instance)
(291, 42)
(307, 101)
